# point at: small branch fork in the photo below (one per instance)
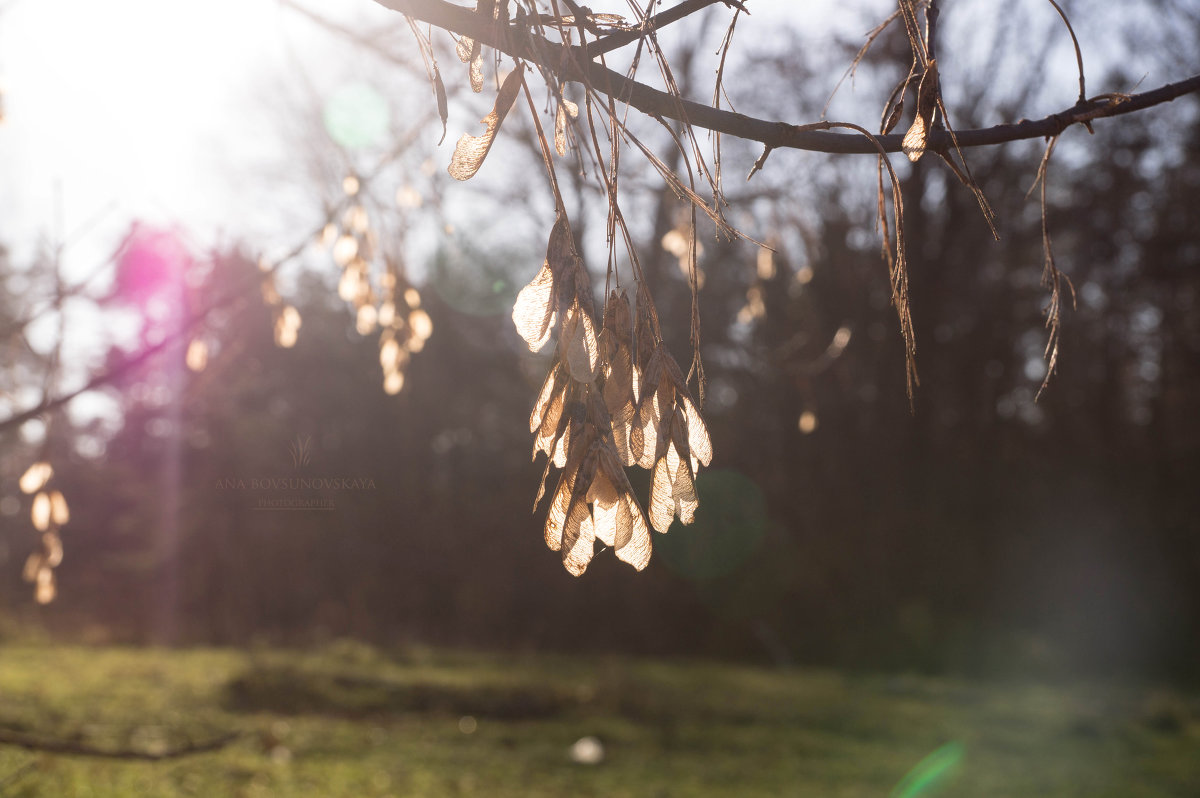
(813, 137)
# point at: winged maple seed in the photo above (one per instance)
(566, 108)
(616, 352)
(669, 436)
(913, 144)
(471, 150)
(593, 499)
(590, 421)
(470, 52)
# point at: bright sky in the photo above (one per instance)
(129, 108)
(144, 109)
(152, 109)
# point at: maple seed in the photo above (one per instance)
(915, 139)
(471, 150)
(606, 403)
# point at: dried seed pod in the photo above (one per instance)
(52, 548)
(60, 514)
(439, 90)
(913, 144)
(548, 414)
(471, 150)
(45, 590)
(618, 518)
(40, 512)
(537, 304)
(611, 399)
(36, 477)
(617, 356)
(566, 109)
(578, 348)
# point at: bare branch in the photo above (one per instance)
(521, 43)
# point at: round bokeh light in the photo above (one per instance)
(357, 116)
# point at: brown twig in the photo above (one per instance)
(872, 35)
(1078, 51)
(614, 41)
(718, 91)
(1052, 277)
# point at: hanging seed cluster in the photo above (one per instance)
(405, 327)
(286, 319)
(613, 398)
(49, 514)
(393, 307)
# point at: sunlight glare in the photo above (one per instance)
(931, 773)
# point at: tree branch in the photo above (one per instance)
(660, 20)
(815, 137)
(109, 375)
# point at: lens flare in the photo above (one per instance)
(151, 266)
(357, 116)
(729, 527)
(932, 773)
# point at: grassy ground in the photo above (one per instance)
(350, 721)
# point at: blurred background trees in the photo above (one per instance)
(981, 532)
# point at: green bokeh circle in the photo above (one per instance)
(357, 116)
(729, 526)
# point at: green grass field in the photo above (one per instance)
(348, 720)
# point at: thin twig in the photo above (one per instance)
(1078, 51)
(1051, 276)
(872, 35)
(613, 41)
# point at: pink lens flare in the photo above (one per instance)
(151, 266)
